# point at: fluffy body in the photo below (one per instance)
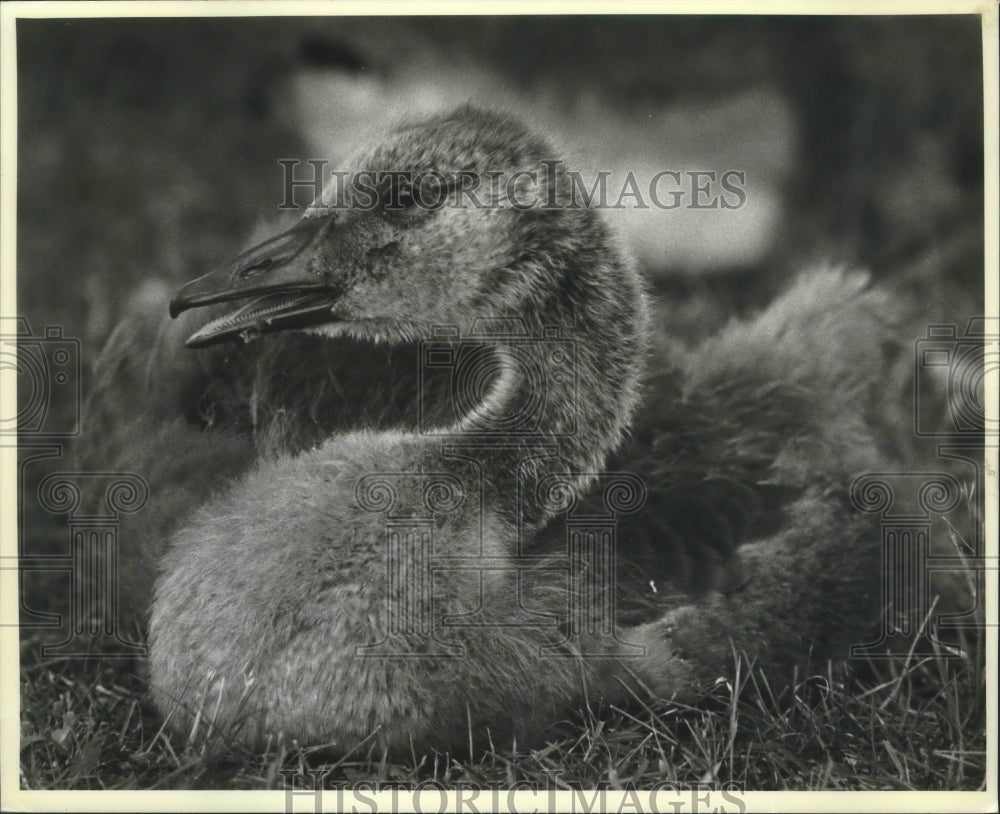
(268, 593)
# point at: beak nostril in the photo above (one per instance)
(256, 268)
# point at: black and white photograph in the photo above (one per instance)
(499, 407)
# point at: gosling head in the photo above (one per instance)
(462, 216)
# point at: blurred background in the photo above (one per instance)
(148, 148)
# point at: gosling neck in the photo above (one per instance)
(570, 368)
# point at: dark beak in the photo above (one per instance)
(286, 294)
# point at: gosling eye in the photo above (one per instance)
(398, 196)
(405, 196)
(421, 195)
